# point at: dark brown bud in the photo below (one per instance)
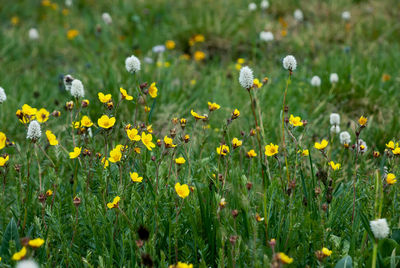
(172, 132)
(286, 109)
(305, 122)
(324, 206)
(85, 103)
(252, 132)
(249, 185)
(235, 213)
(286, 120)
(233, 239)
(77, 201)
(317, 190)
(17, 167)
(25, 241)
(153, 158)
(69, 105)
(42, 198)
(56, 113)
(143, 85)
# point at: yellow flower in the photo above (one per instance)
(76, 124)
(271, 149)
(295, 121)
(213, 106)
(322, 145)
(153, 90)
(199, 56)
(391, 145)
(391, 178)
(65, 11)
(147, 141)
(147, 109)
(305, 152)
(257, 83)
(193, 82)
(396, 151)
(258, 218)
(36, 243)
(3, 160)
(115, 154)
(236, 143)
(238, 66)
(334, 166)
(137, 150)
(241, 61)
(104, 98)
(105, 162)
(362, 121)
(51, 138)
(222, 149)
(169, 143)
(285, 258)
(196, 115)
(180, 160)
(75, 153)
(46, 3)
(235, 114)
(251, 153)
(29, 111)
(106, 122)
(14, 20)
(49, 192)
(182, 190)
(86, 122)
(42, 115)
(181, 265)
(3, 140)
(133, 134)
(114, 203)
(125, 94)
(169, 44)
(149, 128)
(72, 33)
(199, 38)
(19, 255)
(135, 177)
(326, 251)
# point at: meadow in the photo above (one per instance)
(219, 133)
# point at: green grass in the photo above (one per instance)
(92, 235)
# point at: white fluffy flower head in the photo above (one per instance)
(34, 131)
(334, 78)
(346, 15)
(264, 4)
(266, 36)
(3, 96)
(345, 137)
(27, 264)
(68, 82)
(298, 15)
(77, 89)
(315, 81)
(132, 64)
(380, 228)
(289, 63)
(106, 18)
(246, 77)
(252, 6)
(335, 129)
(33, 34)
(334, 119)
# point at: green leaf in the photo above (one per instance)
(386, 246)
(10, 234)
(396, 235)
(345, 262)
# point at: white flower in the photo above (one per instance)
(148, 60)
(27, 264)
(3, 96)
(246, 77)
(252, 6)
(334, 78)
(315, 81)
(34, 131)
(132, 64)
(298, 15)
(380, 228)
(158, 49)
(90, 133)
(106, 18)
(345, 137)
(77, 89)
(289, 63)
(264, 4)
(33, 34)
(334, 119)
(68, 81)
(68, 3)
(266, 36)
(362, 146)
(335, 129)
(346, 15)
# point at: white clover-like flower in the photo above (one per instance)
(106, 18)
(148, 60)
(298, 15)
(158, 49)
(264, 4)
(346, 15)
(34, 131)
(380, 228)
(3, 96)
(68, 3)
(315, 81)
(362, 146)
(345, 137)
(335, 129)
(132, 64)
(33, 34)
(266, 36)
(68, 82)
(334, 119)
(27, 264)
(334, 78)
(77, 89)
(252, 6)
(246, 77)
(289, 63)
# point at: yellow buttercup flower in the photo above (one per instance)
(49, 192)
(396, 151)
(169, 143)
(305, 152)
(212, 106)
(153, 90)
(36, 243)
(181, 265)
(86, 122)
(257, 83)
(114, 203)
(295, 121)
(3, 160)
(104, 98)
(51, 138)
(271, 149)
(199, 55)
(180, 160)
(285, 258)
(125, 94)
(238, 66)
(199, 38)
(105, 162)
(75, 153)
(19, 255)
(196, 115)
(106, 122)
(133, 134)
(236, 143)
(334, 166)
(137, 150)
(14, 20)
(391, 145)
(72, 33)
(3, 140)
(42, 115)
(135, 177)
(223, 149)
(251, 153)
(76, 124)
(326, 251)
(149, 128)
(29, 111)
(322, 145)
(362, 121)
(169, 44)
(147, 141)
(115, 155)
(182, 190)
(391, 178)
(235, 114)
